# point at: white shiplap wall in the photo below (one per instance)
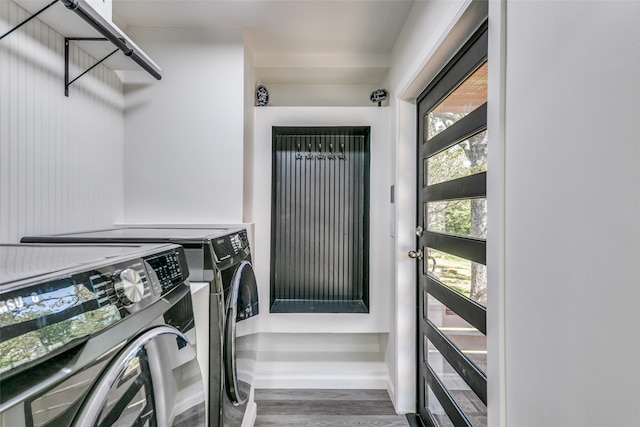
(61, 158)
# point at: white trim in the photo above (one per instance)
(470, 16)
(251, 413)
(496, 262)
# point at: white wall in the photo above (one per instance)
(321, 95)
(184, 134)
(249, 103)
(380, 287)
(572, 193)
(60, 158)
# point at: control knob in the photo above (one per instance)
(128, 286)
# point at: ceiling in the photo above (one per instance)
(299, 42)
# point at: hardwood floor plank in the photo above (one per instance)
(331, 420)
(323, 408)
(328, 394)
(331, 407)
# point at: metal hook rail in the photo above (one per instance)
(315, 151)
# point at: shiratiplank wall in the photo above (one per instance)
(60, 158)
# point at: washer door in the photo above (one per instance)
(154, 381)
(243, 303)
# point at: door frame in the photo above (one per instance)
(457, 69)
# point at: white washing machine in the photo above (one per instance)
(219, 262)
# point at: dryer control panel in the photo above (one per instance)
(230, 246)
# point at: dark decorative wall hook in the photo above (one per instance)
(341, 155)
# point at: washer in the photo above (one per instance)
(220, 260)
(97, 335)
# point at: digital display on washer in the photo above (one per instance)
(167, 269)
(38, 320)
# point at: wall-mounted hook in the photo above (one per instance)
(309, 155)
(298, 153)
(341, 153)
(320, 153)
(330, 156)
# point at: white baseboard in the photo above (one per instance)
(392, 394)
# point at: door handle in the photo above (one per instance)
(416, 254)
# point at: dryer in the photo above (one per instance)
(233, 260)
(220, 259)
(97, 335)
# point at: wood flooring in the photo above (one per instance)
(324, 408)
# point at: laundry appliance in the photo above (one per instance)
(97, 335)
(220, 259)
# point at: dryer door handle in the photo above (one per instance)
(230, 366)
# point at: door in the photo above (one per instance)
(154, 381)
(243, 303)
(240, 351)
(451, 241)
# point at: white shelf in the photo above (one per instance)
(70, 25)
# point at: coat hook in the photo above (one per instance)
(341, 153)
(330, 155)
(320, 154)
(309, 155)
(298, 153)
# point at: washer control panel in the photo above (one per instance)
(126, 285)
(167, 270)
(57, 312)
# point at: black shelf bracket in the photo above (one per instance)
(28, 19)
(112, 37)
(68, 83)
